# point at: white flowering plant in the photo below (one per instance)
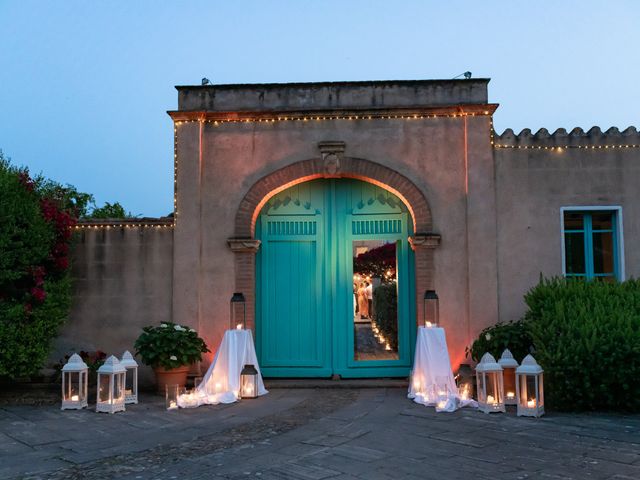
(169, 345)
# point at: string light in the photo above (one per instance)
(132, 224)
(220, 118)
(567, 147)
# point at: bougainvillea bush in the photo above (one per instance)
(36, 216)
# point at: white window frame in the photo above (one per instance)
(620, 231)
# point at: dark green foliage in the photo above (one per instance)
(36, 216)
(587, 339)
(513, 335)
(26, 338)
(110, 210)
(169, 346)
(385, 301)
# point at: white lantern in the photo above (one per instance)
(509, 365)
(131, 378)
(489, 385)
(74, 384)
(110, 395)
(530, 388)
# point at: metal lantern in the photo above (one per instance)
(489, 383)
(238, 311)
(131, 378)
(110, 395)
(74, 384)
(465, 379)
(249, 382)
(530, 388)
(431, 309)
(509, 365)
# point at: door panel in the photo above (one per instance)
(304, 293)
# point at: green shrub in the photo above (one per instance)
(587, 339)
(494, 339)
(36, 216)
(385, 301)
(169, 346)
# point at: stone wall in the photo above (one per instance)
(122, 281)
(536, 175)
(444, 150)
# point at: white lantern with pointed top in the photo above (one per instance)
(74, 384)
(110, 394)
(509, 365)
(131, 378)
(489, 385)
(530, 388)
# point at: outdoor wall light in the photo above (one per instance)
(238, 312)
(530, 389)
(431, 309)
(110, 394)
(509, 365)
(490, 387)
(74, 384)
(131, 378)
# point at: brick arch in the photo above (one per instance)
(350, 167)
(244, 245)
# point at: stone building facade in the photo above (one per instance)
(486, 214)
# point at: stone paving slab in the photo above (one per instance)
(314, 434)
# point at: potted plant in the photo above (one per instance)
(169, 349)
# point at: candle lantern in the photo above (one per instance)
(110, 395)
(237, 311)
(529, 388)
(249, 382)
(74, 384)
(430, 309)
(509, 365)
(489, 383)
(465, 379)
(131, 378)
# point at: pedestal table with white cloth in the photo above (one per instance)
(432, 381)
(221, 383)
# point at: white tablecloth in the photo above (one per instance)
(432, 381)
(221, 383)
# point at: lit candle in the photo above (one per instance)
(465, 392)
(428, 324)
(75, 398)
(248, 389)
(127, 392)
(172, 405)
(511, 395)
(531, 403)
(490, 399)
(441, 404)
(387, 347)
(239, 326)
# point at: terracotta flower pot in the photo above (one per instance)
(175, 376)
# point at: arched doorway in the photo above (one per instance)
(335, 278)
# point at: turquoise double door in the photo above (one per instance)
(312, 316)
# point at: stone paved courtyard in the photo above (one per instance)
(314, 434)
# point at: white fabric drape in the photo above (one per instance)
(221, 383)
(432, 381)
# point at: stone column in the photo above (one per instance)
(245, 250)
(423, 245)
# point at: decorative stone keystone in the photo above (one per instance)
(331, 155)
(424, 240)
(243, 245)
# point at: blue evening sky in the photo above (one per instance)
(84, 85)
